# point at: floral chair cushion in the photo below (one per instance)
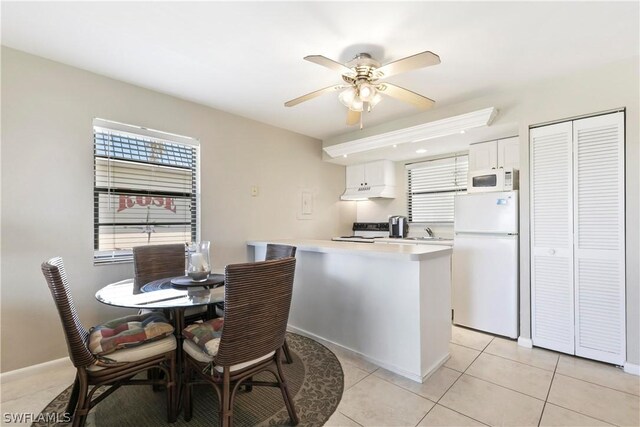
(205, 335)
(128, 331)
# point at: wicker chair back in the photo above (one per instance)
(75, 334)
(257, 302)
(279, 251)
(153, 262)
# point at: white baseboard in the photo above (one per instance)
(412, 376)
(40, 368)
(630, 368)
(525, 342)
(435, 367)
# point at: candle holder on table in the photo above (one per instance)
(199, 263)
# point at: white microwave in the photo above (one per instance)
(501, 179)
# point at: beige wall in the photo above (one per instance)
(605, 88)
(47, 198)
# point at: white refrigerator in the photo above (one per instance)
(485, 262)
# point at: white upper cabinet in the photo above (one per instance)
(355, 176)
(371, 174)
(509, 153)
(503, 153)
(483, 156)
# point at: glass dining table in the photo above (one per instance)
(174, 294)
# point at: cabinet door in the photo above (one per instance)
(483, 156)
(509, 153)
(599, 237)
(379, 173)
(552, 310)
(355, 176)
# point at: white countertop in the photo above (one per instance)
(447, 242)
(400, 252)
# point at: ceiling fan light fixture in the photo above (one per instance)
(347, 96)
(356, 104)
(367, 92)
(375, 100)
(360, 80)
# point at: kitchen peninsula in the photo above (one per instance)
(389, 303)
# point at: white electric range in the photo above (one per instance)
(366, 232)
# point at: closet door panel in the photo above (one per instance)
(552, 293)
(599, 237)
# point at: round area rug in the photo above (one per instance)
(315, 381)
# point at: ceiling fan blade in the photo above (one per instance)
(413, 62)
(330, 64)
(312, 95)
(353, 117)
(405, 95)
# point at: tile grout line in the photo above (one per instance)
(472, 348)
(522, 363)
(598, 384)
(511, 360)
(588, 382)
(584, 415)
(361, 379)
(443, 366)
(555, 371)
(507, 388)
(352, 385)
(544, 405)
(451, 386)
(349, 418)
(395, 385)
(405, 389)
(491, 382)
(578, 412)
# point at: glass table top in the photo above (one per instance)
(121, 294)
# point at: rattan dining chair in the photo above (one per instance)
(115, 369)
(257, 302)
(274, 251)
(154, 262)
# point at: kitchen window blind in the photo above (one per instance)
(432, 186)
(145, 189)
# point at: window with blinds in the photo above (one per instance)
(432, 186)
(145, 186)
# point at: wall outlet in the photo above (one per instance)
(254, 191)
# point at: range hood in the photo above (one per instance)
(369, 192)
(370, 180)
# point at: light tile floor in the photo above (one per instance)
(490, 381)
(487, 381)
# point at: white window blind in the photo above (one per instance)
(432, 186)
(145, 190)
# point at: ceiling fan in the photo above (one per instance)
(363, 88)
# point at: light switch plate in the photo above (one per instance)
(305, 210)
(307, 203)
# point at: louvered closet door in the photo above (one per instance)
(552, 296)
(599, 237)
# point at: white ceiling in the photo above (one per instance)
(246, 57)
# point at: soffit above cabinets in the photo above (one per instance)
(436, 137)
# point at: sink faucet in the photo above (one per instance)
(429, 231)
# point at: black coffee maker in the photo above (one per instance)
(398, 226)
